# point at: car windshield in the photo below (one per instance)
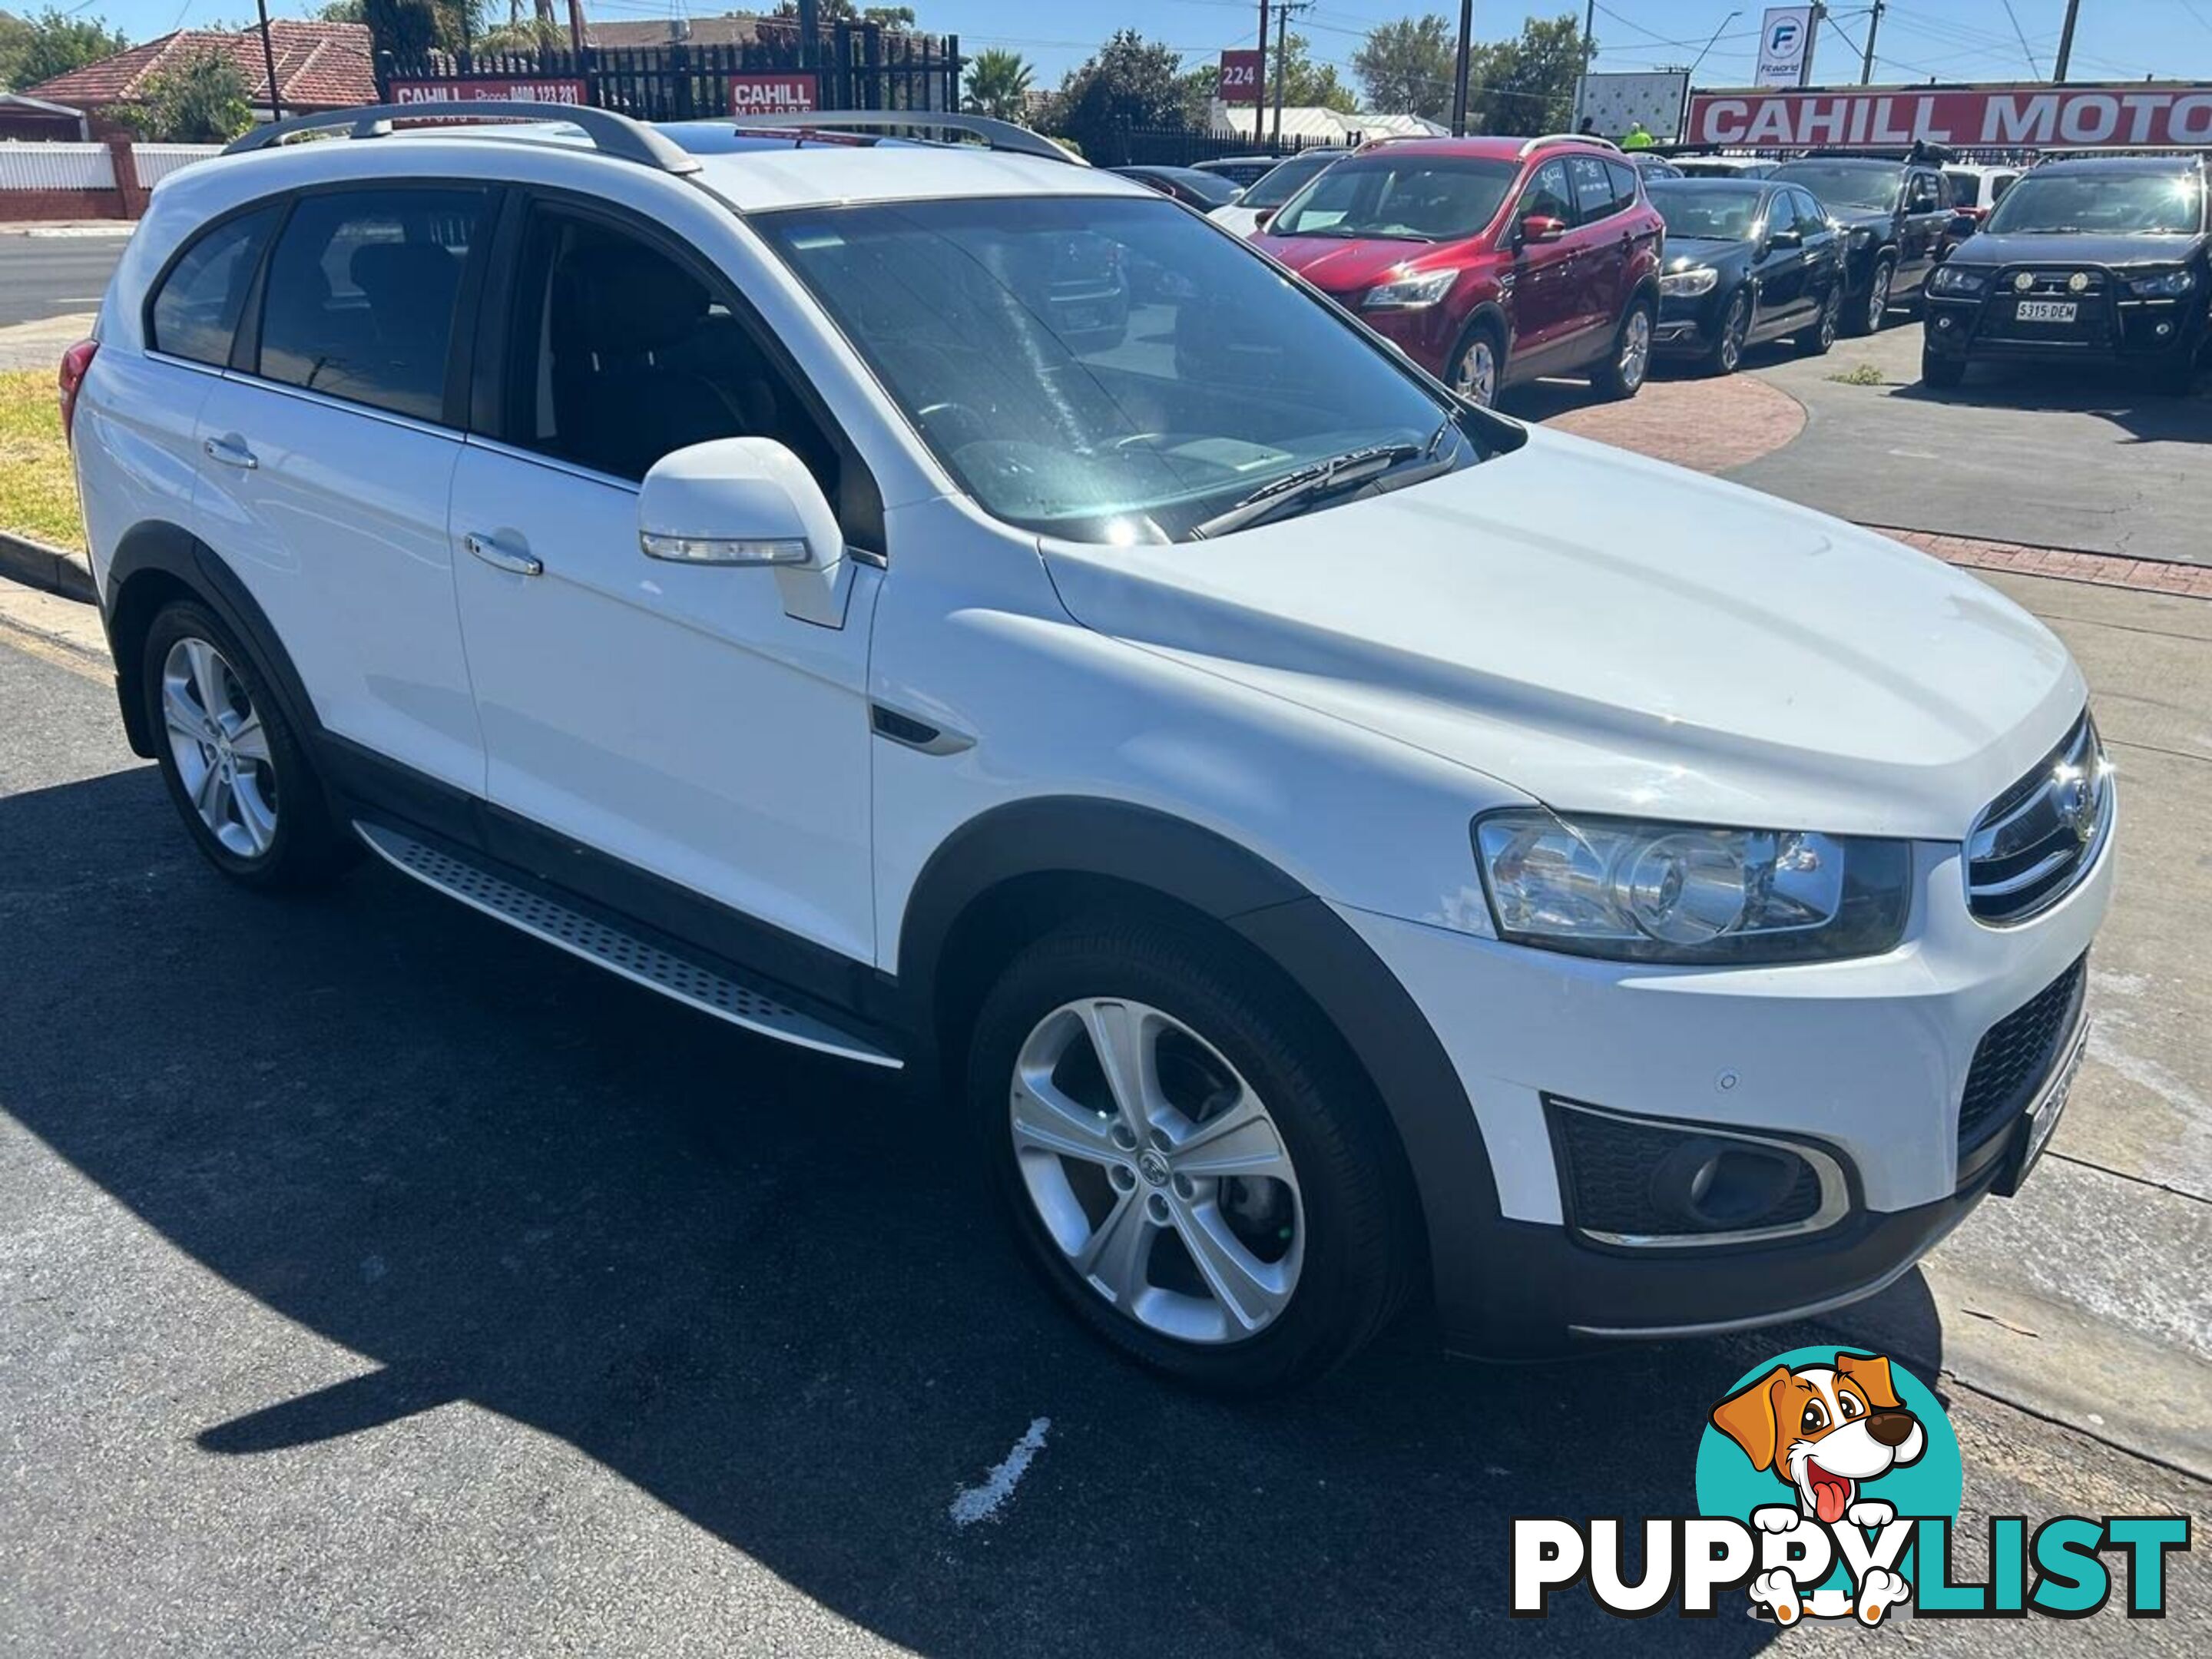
(1209, 187)
(1845, 186)
(2100, 204)
(1107, 369)
(1719, 211)
(1288, 179)
(1418, 198)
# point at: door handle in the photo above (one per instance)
(487, 549)
(231, 452)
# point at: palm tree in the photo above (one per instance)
(998, 84)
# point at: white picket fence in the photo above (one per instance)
(35, 165)
(39, 166)
(155, 162)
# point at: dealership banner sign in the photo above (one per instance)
(2033, 117)
(556, 89)
(773, 95)
(1785, 45)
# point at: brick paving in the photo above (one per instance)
(1717, 426)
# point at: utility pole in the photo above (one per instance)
(1459, 77)
(1282, 53)
(2066, 40)
(1589, 51)
(1812, 40)
(1874, 27)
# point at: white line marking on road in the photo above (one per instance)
(983, 1502)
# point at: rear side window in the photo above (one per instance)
(196, 312)
(360, 293)
(1594, 190)
(1624, 183)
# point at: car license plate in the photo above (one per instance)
(2046, 311)
(2043, 1118)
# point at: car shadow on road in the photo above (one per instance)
(760, 1286)
(2116, 395)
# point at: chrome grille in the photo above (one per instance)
(2036, 840)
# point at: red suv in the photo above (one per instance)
(1490, 261)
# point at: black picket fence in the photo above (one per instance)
(856, 66)
(1183, 147)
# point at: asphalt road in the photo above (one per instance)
(374, 1279)
(43, 277)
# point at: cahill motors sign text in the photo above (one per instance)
(2129, 117)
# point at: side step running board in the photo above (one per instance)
(573, 929)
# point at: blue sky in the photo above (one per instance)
(1949, 39)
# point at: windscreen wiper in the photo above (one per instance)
(1309, 484)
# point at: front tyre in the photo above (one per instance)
(1871, 310)
(234, 768)
(1820, 340)
(1624, 372)
(1727, 354)
(1201, 1178)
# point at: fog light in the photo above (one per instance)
(1717, 1186)
(1943, 322)
(2164, 329)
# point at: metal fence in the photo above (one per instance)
(155, 162)
(39, 165)
(1182, 147)
(856, 66)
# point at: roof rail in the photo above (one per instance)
(1538, 143)
(612, 133)
(997, 134)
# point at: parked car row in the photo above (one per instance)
(1492, 261)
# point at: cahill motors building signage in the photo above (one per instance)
(2132, 116)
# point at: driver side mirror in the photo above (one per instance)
(1785, 238)
(1542, 228)
(748, 501)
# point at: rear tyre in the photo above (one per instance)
(1203, 1181)
(1942, 372)
(1820, 339)
(235, 769)
(1623, 373)
(1866, 314)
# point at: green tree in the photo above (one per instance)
(1306, 84)
(1129, 81)
(1406, 67)
(1527, 85)
(202, 101)
(409, 29)
(998, 84)
(36, 49)
(845, 12)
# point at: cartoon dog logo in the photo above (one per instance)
(1825, 1432)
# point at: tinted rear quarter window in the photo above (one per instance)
(360, 293)
(197, 309)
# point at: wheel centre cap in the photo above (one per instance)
(1153, 1167)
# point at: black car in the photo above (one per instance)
(1746, 260)
(1896, 216)
(1203, 191)
(2106, 260)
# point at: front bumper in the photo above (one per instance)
(1866, 1060)
(1427, 334)
(1687, 327)
(2108, 326)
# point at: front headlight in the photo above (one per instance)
(1688, 284)
(1409, 292)
(1637, 891)
(1959, 279)
(2167, 285)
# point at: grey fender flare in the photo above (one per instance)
(1385, 1031)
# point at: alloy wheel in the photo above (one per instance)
(1157, 1171)
(1733, 330)
(1636, 349)
(1878, 298)
(1831, 317)
(220, 748)
(1475, 378)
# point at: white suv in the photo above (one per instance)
(956, 608)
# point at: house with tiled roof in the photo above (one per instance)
(318, 66)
